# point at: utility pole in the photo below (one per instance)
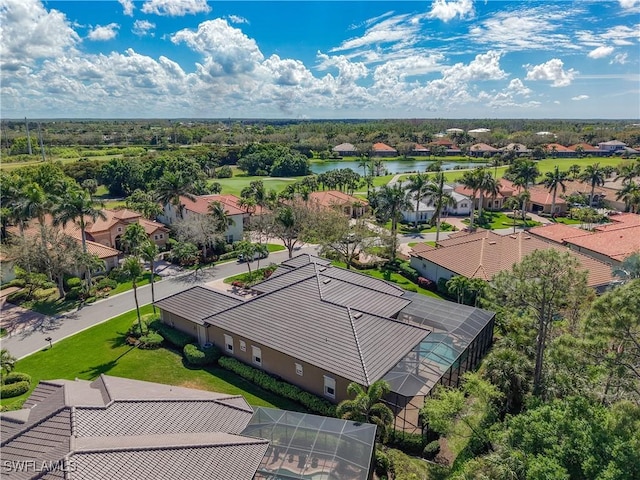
(28, 136)
(44, 159)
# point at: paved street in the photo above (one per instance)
(31, 336)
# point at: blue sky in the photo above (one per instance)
(320, 59)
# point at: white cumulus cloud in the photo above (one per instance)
(127, 7)
(601, 52)
(552, 71)
(104, 32)
(577, 98)
(445, 11)
(143, 27)
(175, 8)
(629, 4)
(237, 19)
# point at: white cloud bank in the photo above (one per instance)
(175, 8)
(601, 52)
(103, 33)
(446, 11)
(127, 7)
(552, 71)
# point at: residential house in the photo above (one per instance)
(322, 327)
(426, 206)
(608, 243)
(482, 150)
(345, 150)
(450, 147)
(540, 198)
(489, 202)
(353, 207)
(109, 231)
(584, 149)
(559, 151)
(476, 132)
(484, 253)
(516, 148)
(420, 150)
(118, 428)
(237, 214)
(611, 146)
(383, 150)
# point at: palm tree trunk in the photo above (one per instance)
(417, 208)
(593, 189)
(135, 297)
(437, 228)
(473, 209)
(480, 202)
(553, 201)
(153, 293)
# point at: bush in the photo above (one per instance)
(196, 355)
(14, 389)
(410, 443)
(228, 256)
(431, 450)
(106, 283)
(174, 337)
(224, 172)
(15, 377)
(73, 282)
(74, 294)
(151, 340)
(18, 297)
(279, 387)
(17, 282)
(427, 284)
(408, 272)
(97, 278)
(118, 275)
(442, 286)
(382, 463)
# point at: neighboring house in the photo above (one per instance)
(450, 147)
(559, 151)
(541, 199)
(482, 150)
(484, 253)
(517, 148)
(352, 206)
(109, 231)
(345, 150)
(117, 429)
(109, 255)
(426, 207)
(611, 146)
(383, 150)
(237, 214)
(478, 131)
(585, 149)
(322, 327)
(420, 150)
(608, 243)
(488, 202)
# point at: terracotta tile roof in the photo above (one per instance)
(462, 190)
(616, 244)
(123, 216)
(540, 195)
(620, 220)
(420, 148)
(422, 247)
(151, 226)
(382, 147)
(585, 147)
(488, 253)
(443, 142)
(559, 148)
(201, 204)
(328, 198)
(102, 251)
(483, 147)
(557, 232)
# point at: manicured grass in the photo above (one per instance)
(405, 228)
(498, 220)
(413, 244)
(234, 185)
(102, 349)
(274, 247)
(568, 221)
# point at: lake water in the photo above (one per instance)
(392, 166)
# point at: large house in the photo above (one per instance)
(109, 231)
(352, 206)
(117, 429)
(609, 243)
(425, 208)
(345, 150)
(484, 253)
(383, 150)
(482, 150)
(237, 214)
(322, 327)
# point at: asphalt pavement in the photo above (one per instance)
(34, 337)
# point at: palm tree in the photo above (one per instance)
(470, 180)
(627, 172)
(132, 269)
(7, 361)
(35, 203)
(595, 175)
(630, 194)
(171, 187)
(392, 200)
(443, 199)
(417, 185)
(513, 203)
(458, 286)
(219, 216)
(487, 184)
(574, 170)
(149, 252)
(553, 180)
(134, 237)
(367, 406)
(523, 173)
(510, 371)
(76, 207)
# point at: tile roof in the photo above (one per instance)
(519, 147)
(201, 302)
(558, 148)
(539, 194)
(115, 428)
(420, 148)
(482, 147)
(382, 147)
(585, 147)
(557, 232)
(329, 198)
(484, 255)
(345, 147)
(422, 247)
(616, 244)
(201, 204)
(618, 221)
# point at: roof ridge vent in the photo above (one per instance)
(357, 340)
(357, 315)
(326, 280)
(492, 242)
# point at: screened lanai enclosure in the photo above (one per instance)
(460, 336)
(310, 447)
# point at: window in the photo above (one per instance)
(161, 236)
(228, 342)
(119, 229)
(257, 355)
(155, 237)
(299, 369)
(243, 346)
(330, 387)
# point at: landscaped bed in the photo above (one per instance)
(103, 349)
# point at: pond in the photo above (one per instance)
(393, 166)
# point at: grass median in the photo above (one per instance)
(102, 349)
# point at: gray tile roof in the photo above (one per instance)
(121, 428)
(200, 301)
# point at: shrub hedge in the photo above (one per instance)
(382, 463)
(228, 256)
(106, 283)
(431, 450)
(15, 377)
(196, 355)
(409, 443)
(73, 282)
(14, 389)
(279, 387)
(174, 337)
(151, 340)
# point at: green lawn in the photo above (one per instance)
(235, 184)
(102, 349)
(275, 247)
(413, 244)
(405, 228)
(568, 221)
(498, 220)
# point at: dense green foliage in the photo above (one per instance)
(14, 389)
(175, 337)
(196, 355)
